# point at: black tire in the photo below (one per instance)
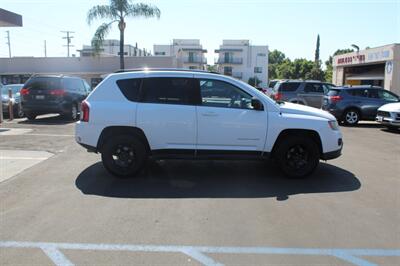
(31, 116)
(19, 112)
(351, 117)
(297, 156)
(393, 128)
(72, 113)
(124, 156)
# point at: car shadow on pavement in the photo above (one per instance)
(47, 120)
(213, 179)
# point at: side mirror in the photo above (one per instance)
(257, 105)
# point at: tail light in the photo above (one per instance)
(58, 92)
(278, 96)
(85, 109)
(24, 91)
(335, 98)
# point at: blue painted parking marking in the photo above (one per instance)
(199, 253)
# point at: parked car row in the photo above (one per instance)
(352, 104)
(349, 104)
(47, 94)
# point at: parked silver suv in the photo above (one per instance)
(307, 92)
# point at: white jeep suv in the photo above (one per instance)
(163, 114)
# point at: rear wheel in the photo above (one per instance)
(30, 116)
(297, 156)
(19, 112)
(351, 117)
(72, 113)
(124, 156)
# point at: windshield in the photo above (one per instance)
(43, 83)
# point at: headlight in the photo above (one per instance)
(333, 125)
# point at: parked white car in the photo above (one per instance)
(389, 115)
(133, 115)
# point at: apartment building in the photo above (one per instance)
(239, 59)
(188, 51)
(111, 48)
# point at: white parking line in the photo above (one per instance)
(198, 253)
(50, 135)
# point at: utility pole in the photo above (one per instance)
(45, 49)
(8, 43)
(68, 38)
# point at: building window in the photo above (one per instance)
(261, 54)
(228, 71)
(258, 70)
(159, 53)
(192, 67)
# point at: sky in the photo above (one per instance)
(290, 26)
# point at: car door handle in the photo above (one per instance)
(209, 114)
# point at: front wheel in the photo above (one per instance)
(297, 156)
(124, 156)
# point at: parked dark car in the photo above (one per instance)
(352, 104)
(306, 92)
(54, 94)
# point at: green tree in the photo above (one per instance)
(117, 12)
(212, 68)
(329, 63)
(301, 68)
(317, 51)
(254, 81)
(275, 58)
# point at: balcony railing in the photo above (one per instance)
(194, 60)
(233, 60)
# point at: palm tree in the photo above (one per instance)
(118, 11)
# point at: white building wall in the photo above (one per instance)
(182, 48)
(245, 58)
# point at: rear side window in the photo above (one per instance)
(168, 90)
(289, 86)
(358, 93)
(333, 92)
(73, 84)
(43, 83)
(313, 88)
(130, 88)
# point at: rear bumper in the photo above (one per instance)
(46, 108)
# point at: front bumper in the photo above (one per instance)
(332, 155)
(388, 121)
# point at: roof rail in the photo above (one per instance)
(164, 69)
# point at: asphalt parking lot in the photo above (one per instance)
(66, 209)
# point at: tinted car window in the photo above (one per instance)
(358, 92)
(130, 88)
(373, 94)
(43, 83)
(288, 86)
(215, 93)
(333, 92)
(387, 96)
(167, 90)
(73, 84)
(313, 88)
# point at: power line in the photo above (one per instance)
(68, 38)
(8, 43)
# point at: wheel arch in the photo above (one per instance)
(314, 135)
(121, 130)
